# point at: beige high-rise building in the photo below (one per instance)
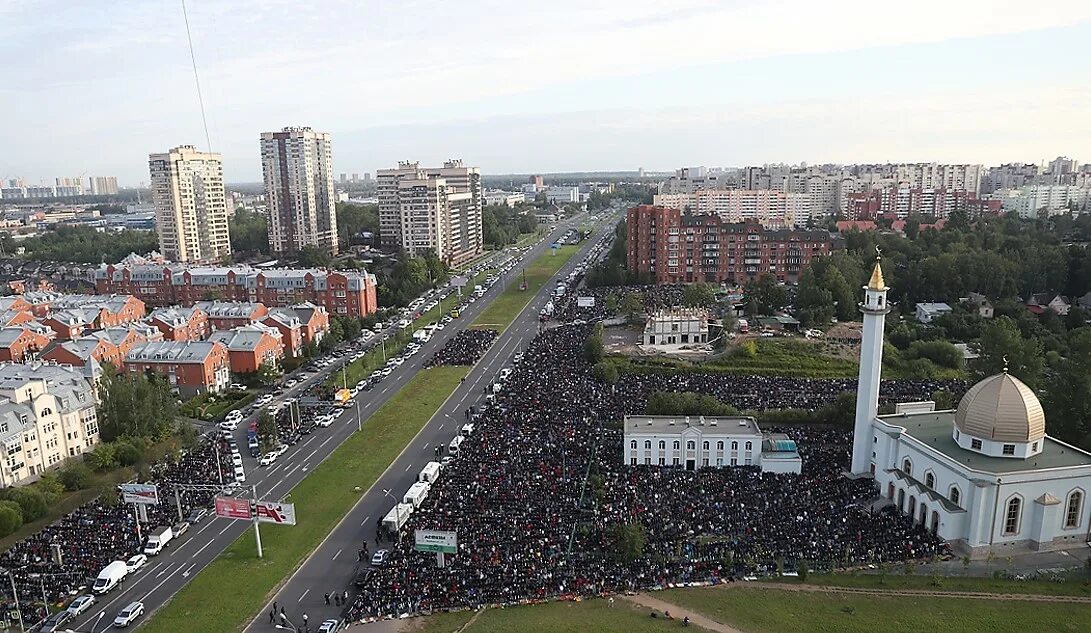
(190, 206)
(431, 208)
(103, 185)
(297, 165)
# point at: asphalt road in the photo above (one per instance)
(167, 573)
(333, 565)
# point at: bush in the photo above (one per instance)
(604, 371)
(11, 517)
(941, 353)
(128, 454)
(75, 476)
(593, 348)
(104, 457)
(50, 486)
(687, 403)
(32, 503)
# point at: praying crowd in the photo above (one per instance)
(608, 301)
(464, 348)
(544, 506)
(100, 532)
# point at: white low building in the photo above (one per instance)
(671, 329)
(985, 477)
(693, 442)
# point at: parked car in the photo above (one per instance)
(330, 626)
(55, 622)
(81, 604)
(129, 614)
(379, 558)
(196, 515)
(136, 562)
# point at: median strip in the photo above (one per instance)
(225, 595)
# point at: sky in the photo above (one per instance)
(93, 87)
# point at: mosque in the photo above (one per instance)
(985, 476)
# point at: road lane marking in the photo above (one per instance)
(337, 554)
(161, 582)
(202, 549)
(408, 467)
(304, 595)
(325, 442)
(364, 522)
(226, 527)
(308, 457)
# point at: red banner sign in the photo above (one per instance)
(231, 508)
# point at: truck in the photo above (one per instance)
(342, 398)
(417, 493)
(110, 577)
(744, 327)
(396, 518)
(158, 540)
(430, 472)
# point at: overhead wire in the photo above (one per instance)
(196, 76)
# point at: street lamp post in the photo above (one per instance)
(15, 595)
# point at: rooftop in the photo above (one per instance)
(678, 423)
(934, 430)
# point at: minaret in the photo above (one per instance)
(874, 308)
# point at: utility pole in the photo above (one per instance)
(178, 502)
(257, 530)
(15, 595)
(45, 600)
(359, 419)
(219, 466)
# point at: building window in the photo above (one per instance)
(907, 467)
(662, 445)
(734, 446)
(675, 461)
(929, 480)
(1009, 449)
(647, 461)
(975, 444)
(677, 445)
(691, 445)
(705, 446)
(720, 445)
(632, 461)
(1012, 516)
(954, 495)
(1034, 447)
(749, 446)
(648, 444)
(1072, 510)
(662, 461)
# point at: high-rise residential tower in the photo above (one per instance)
(190, 206)
(431, 208)
(297, 165)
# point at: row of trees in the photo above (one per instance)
(81, 244)
(410, 277)
(502, 225)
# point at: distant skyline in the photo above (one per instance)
(92, 88)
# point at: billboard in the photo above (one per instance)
(460, 281)
(436, 541)
(139, 493)
(585, 302)
(231, 508)
(273, 512)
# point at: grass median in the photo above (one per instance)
(226, 595)
(502, 311)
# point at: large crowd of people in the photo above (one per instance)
(608, 301)
(540, 498)
(464, 348)
(98, 532)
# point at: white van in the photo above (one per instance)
(110, 577)
(455, 444)
(467, 429)
(417, 493)
(158, 540)
(430, 472)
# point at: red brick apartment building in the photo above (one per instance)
(672, 247)
(341, 293)
(191, 367)
(181, 324)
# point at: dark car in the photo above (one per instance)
(54, 622)
(196, 515)
(364, 576)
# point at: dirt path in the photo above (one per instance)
(647, 600)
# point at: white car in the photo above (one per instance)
(236, 386)
(129, 614)
(236, 459)
(324, 421)
(81, 604)
(330, 626)
(267, 459)
(229, 424)
(135, 563)
(281, 449)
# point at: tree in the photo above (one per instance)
(1002, 345)
(134, 406)
(1067, 399)
(332, 338)
(941, 353)
(32, 503)
(128, 454)
(249, 232)
(353, 220)
(267, 431)
(631, 304)
(75, 475)
(311, 256)
(687, 403)
(803, 569)
(698, 295)
(266, 374)
(350, 328)
(628, 541)
(11, 517)
(765, 295)
(605, 372)
(593, 348)
(103, 457)
(814, 303)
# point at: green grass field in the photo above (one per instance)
(503, 309)
(554, 617)
(756, 610)
(923, 580)
(227, 594)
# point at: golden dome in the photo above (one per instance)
(1003, 409)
